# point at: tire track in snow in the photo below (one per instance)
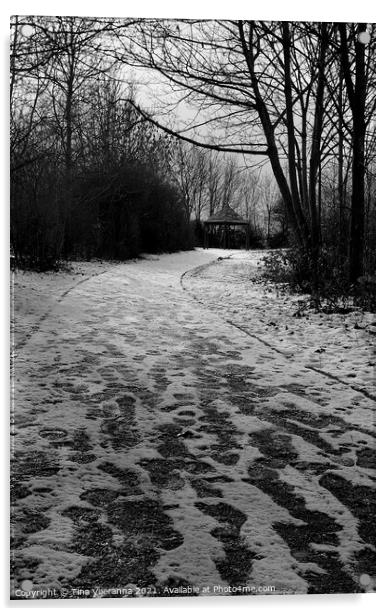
(197, 270)
(36, 327)
(131, 519)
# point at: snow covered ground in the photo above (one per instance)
(342, 345)
(167, 438)
(35, 294)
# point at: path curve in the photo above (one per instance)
(200, 269)
(158, 447)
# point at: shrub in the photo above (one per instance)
(293, 268)
(37, 225)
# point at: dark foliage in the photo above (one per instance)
(36, 225)
(293, 268)
(123, 212)
(114, 211)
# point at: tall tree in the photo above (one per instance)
(357, 95)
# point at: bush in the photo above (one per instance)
(133, 211)
(163, 226)
(366, 293)
(197, 231)
(287, 266)
(37, 225)
(278, 240)
(293, 268)
(113, 213)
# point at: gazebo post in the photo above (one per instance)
(224, 220)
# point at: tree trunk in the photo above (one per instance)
(290, 199)
(357, 98)
(358, 201)
(341, 195)
(314, 164)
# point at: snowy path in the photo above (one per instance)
(156, 445)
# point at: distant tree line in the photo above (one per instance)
(89, 176)
(209, 181)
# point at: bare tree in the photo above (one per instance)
(268, 198)
(214, 176)
(357, 92)
(265, 89)
(190, 170)
(231, 183)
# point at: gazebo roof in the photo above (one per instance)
(226, 215)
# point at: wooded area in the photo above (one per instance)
(283, 131)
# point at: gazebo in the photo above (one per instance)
(223, 221)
